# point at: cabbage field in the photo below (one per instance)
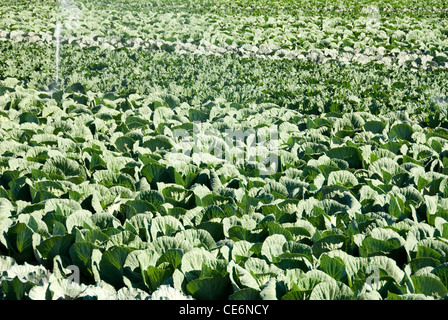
(228, 149)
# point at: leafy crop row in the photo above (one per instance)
(100, 188)
(118, 170)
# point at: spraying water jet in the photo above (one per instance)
(68, 19)
(58, 44)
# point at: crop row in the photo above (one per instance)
(289, 31)
(298, 84)
(97, 181)
(225, 150)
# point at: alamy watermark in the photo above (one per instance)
(74, 277)
(257, 147)
(373, 279)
